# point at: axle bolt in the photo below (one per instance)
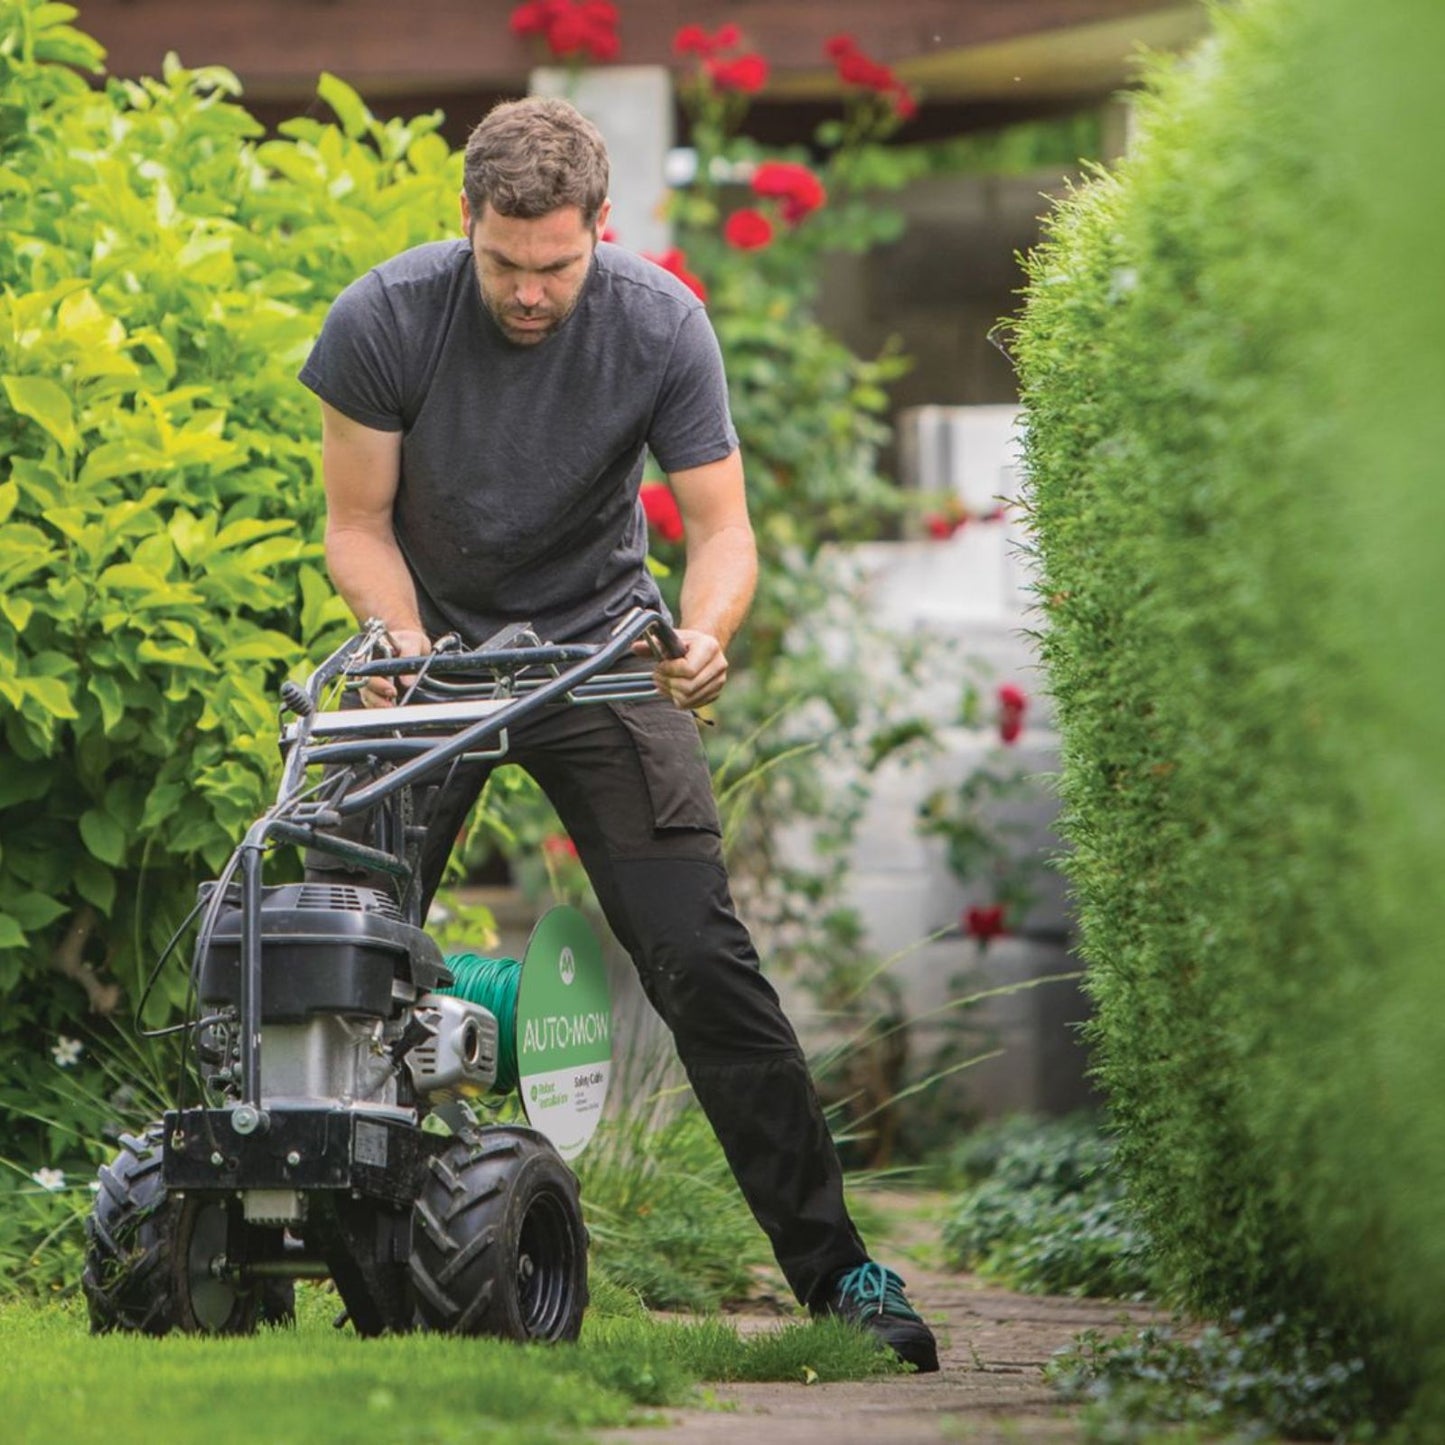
(247, 1119)
(293, 1158)
(218, 1159)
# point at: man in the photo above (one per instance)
(486, 404)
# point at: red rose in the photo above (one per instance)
(747, 74)
(939, 527)
(984, 923)
(856, 69)
(676, 262)
(570, 27)
(567, 33)
(1013, 702)
(748, 230)
(797, 189)
(532, 18)
(661, 508)
(559, 847)
(692, 40)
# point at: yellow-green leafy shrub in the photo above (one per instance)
(162, 271)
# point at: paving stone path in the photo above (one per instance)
(989, 1389)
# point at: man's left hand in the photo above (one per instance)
(698, 676)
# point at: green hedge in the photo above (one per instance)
(1234, 375)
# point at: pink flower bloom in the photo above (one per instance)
(661, 509)
(559, 848)
(748, 230)
(940, 528)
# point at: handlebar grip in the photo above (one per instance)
(665, 642)
(295, 699)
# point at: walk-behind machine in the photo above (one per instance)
(335, 1052)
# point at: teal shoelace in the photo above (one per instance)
(875, 1290)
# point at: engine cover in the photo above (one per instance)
(325, 949)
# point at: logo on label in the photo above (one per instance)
(567, 966)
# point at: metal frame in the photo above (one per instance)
(463, 702)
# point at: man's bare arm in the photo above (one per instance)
(720, 577)
(362, 468)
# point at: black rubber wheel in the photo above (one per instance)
(149, 1257)
(498, 1244)
(130, 1242)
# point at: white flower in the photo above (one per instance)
(66, 1052)
(51, 1179)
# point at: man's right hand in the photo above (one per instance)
(405, 642)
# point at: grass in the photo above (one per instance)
(314, 1383)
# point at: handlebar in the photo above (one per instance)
(485, 708)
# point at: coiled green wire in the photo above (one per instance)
(493, 983)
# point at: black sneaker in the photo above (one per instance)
(872, 1298)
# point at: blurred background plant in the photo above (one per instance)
(1041, 1208)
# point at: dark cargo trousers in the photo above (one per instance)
(631, 786)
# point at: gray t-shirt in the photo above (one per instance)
(520, 465)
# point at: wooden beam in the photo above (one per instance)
(278, 47)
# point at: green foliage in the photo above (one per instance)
(79, 1098)
(1056, 144)
(162, 272)
(1232, 371)
(1044, 1212)
(665, 1217)
(1254, 1380)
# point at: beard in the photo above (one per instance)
(522, 327)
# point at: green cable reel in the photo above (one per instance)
(554, 1025)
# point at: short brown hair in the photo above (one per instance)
(530, 157)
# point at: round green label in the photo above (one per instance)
(564, 1031)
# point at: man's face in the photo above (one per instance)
(530, 273)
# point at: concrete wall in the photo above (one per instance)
(969, 596)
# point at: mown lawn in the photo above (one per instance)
(61, 1386)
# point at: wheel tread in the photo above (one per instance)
(463, 1261)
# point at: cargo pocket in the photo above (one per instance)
(679, 786)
